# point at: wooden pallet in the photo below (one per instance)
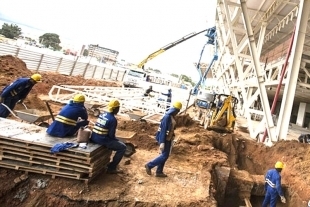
(30, 152)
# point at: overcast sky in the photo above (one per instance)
(135, 28)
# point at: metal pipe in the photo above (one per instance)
(276, 96)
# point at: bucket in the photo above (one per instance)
(83, 135)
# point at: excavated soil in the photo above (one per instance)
(191, 168)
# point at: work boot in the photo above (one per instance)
(161, 175)
(148, 170)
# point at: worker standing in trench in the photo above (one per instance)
(16, 92)
(104, 134)
(164, 137)
(72, 117)
(273, 186)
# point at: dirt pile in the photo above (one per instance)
(12, 68)
(195, 155)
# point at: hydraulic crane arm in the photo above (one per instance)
(167, 47)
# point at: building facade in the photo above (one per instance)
(103, 54)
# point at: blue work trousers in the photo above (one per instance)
(161, 159)
(112, 144)
(9, 102)
(271, 197)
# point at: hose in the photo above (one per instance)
(10, 110)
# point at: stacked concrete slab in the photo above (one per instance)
(26, 147)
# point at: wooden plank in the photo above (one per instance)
(46, 170)
(67, 153)
(53, 175)
(32, 134)
(37, 163)
(43, 154)
(57, 162)
(63, 155)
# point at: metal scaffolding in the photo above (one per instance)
(247, 33)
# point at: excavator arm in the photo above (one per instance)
(167, 47)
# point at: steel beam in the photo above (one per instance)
(293, 70)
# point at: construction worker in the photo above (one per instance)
(16, 92)
(169, 95)
(104, 134)
(164, 137)
(148, 91)
(71, 117)
(273, 186)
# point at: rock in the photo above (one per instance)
(127, 162)
(17, 180)
(24, 177)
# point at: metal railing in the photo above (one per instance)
(38, 61)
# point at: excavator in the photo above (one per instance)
(167, 47)
(217, 111)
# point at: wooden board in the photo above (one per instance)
(26, 147)
(124, 134)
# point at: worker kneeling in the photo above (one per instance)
(70, 118)
(104, 134)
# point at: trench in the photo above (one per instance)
(243, 178)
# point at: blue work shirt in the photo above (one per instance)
(165, 126)
(105, 128)
(19, 88)
(273, 182)
(66, 122)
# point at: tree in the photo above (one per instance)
(187, 79)
(85, 52)
(174, 75)
(10, 31)
(50, 40)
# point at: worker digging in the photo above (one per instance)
(16, 92)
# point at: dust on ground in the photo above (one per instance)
(190, 168)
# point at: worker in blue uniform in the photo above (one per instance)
(273, 186)
(104, 134)
(169, 95)
(16, 92)
(164, 137)
(71, 117)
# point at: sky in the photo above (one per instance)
(135, 28)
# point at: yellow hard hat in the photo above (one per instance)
(177, 105)
(279, 165)
(79, 98)
(114, 103)
(36, 77)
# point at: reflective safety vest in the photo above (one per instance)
(100, 130)
(65, 120)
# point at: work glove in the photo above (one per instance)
(283, 200)
(161, 147)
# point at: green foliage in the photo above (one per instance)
(187, 79)
(174, 75)
(85, 52)
(10, 31)
(50, 40)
